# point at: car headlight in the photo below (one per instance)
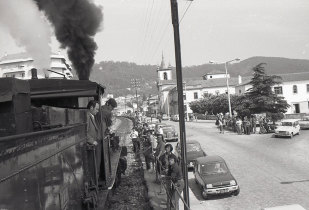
(209, 186)
(232, 182)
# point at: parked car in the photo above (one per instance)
(175, 117)
(165, 117)
(194, 151)
(214, 177)
(304, 122)
(169, 133)
(288, 127)
(152, 126)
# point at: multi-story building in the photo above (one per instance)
(211, 83)
(294, 88)
(20, 65)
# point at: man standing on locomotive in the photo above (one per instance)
(93, 134)
(92, 128)
(106, 112)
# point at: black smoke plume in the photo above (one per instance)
(75, 22)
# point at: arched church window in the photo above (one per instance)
(165, 76)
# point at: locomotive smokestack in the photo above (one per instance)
(75, 23)
(34, 73)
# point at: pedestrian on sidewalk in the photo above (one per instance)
(221, 122)
(174, 172)
(160, 149)
(147, 151)
(163, 164)
(135, 140)
(239, 126)
(253, 123)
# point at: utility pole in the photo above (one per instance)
(135, 83)
(125, 104)
(182, 127)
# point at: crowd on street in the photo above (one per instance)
(159, 159)
(243, 125)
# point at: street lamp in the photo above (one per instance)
(227, 82)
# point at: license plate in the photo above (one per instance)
(224, 191)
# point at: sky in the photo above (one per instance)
(218, 30)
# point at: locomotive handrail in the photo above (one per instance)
(7, 138)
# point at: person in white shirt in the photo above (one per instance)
(135, 140)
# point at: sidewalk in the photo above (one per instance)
(158, 201)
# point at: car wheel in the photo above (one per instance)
(237, 192)
(204, 194)
(298, 133)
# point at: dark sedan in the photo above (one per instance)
(169, 133)
(194, 151)
(214, 177)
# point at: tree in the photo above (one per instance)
(261, 98)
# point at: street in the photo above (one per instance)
(270, 171)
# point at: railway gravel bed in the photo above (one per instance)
(132, 192)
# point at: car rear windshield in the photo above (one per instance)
(287, 124)
(214, 168)
(193, 148)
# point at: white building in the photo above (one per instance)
(294, 88)
(20, 65)
(195, 90)
(215, 75)
(212, 83)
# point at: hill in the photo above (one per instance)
(116, 76)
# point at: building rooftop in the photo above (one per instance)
(290, 77)
(214, 72)
(23, 56)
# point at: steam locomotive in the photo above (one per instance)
(45, 162)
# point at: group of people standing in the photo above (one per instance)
(160, 158)
(243, 125)
(99, 120)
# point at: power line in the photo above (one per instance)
(147, 26)
(161, 39)
(185, 12)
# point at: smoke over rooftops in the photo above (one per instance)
(29, 28)
(75, 23)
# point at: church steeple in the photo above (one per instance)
(162, 62)
(164, 73)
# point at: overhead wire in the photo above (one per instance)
(147, 27)
(142, 28)
(153, 26)
(158, 30)
(165, 30)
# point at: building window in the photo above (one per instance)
(195, 95)
(307, 88)
(278, 90)
(294, 88)
(165, 76)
